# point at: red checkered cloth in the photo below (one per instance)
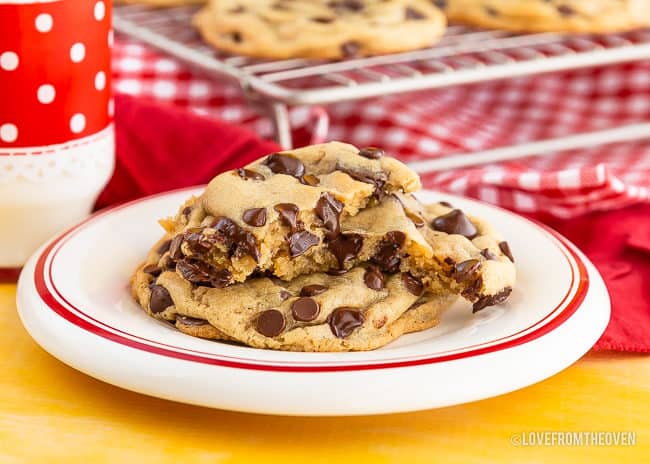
(432, 124)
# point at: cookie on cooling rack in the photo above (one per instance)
(596, 16)
(282, 29)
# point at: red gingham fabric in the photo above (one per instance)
(432, 124)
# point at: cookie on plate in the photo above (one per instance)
(596, 16)
(332, 29)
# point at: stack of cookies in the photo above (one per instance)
(322, 248)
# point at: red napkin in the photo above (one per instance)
(161, 148)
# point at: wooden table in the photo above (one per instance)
(50, 413)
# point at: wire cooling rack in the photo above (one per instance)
(463, 56)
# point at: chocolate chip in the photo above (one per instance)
(152, 269)
(350, 48)
(191, 321)
(345, 247)
(371, 153)
(164, 247)
(376, 179)
(489, 300)
(288, 215)
(449, 261)
(344, 320)
(175, 247)
(455, 222)
(487, 254)
(373, 278)
(187, 211)
(301, 241)
(310, 180)
(312, 290)
(412, 284)
(285, 164)
(412, 13)
(200, 273)
(466, 270)
(388, 256)
(305, 309)
(198, 242)
(239, 241)
(248, 174)
(270, 323)
(445, 203)
(505, 249)
(255, 217)
(565, 10)
(236, 36)
(336, 272)
(329, 209)
(322, 20)
(349, 5)
(160, 299)
(418, 220)
(473, 290)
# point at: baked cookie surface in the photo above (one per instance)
(331, 29)
(597, 16)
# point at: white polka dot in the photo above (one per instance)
(100, 80)
(8, 133)
(8, 61)
(164, 65)
(77, 52)
(110, 38)
(163, 89)
(46, 94)
(77, 123)
(198, 90)
(111, 108)
(43, 22)
(99, 10)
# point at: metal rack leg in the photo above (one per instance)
(279, 113)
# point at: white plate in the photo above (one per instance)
(73, 298)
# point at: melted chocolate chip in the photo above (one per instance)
(449, 261)
(255, 217)
(239, 241)
(412, 13)
(505, 249)
(164, 247)
(288, 215)
(310, 180)
(445, 203)
(285, 164)
(175, 247)
(565, 10)
(473, 290)
(198, 242)
(305, 309)
(312, 290)
(376, 179)
(487, 254)
(412, 284)
(466, 270)
(187, 211)
(371, 153)
(344, 320)
(236, 36)
(248, 174)
(192, 321)
(301, 241)
(196, 272)
(489, 300)
(345, 247)
(350, 48)
(455, 222)
(270, 323)
(329, 209)
(152, 269)
(373, 278)
(160, 299)
(388, 256)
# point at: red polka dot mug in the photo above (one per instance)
(56, 132)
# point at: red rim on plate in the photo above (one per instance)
(49, 293)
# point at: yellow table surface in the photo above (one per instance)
(50, 413)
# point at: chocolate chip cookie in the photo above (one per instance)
(597, 16)
(283, 29)
(310, 313)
